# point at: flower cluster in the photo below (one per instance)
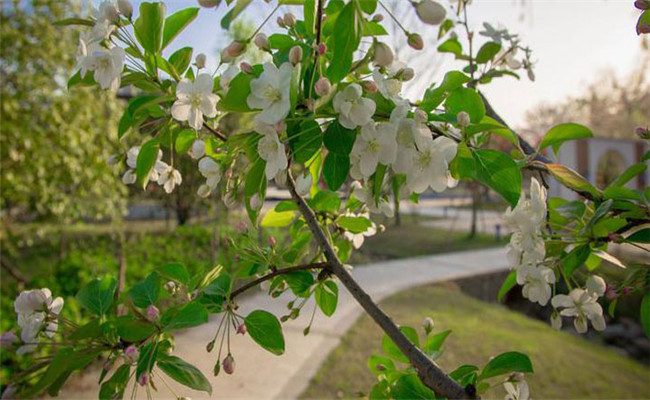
(582, 305)
(162, 173)
(37, 313)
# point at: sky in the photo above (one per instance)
(572, 41)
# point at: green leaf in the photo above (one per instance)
(643, 21)
(256, 178)
(573, 180)
(562, 133)
(148, 27)
(500, 172)
(239, 89)
(309, 11)
(640, 236)
(645, 313)
(175, 271)
(338, 139)
(434, 343)
(146, 159)
(184, 373)
(132, 330)
(300, 282)
(146, 293)
(576, 258)
(391, 349)
(609, 258)
(264, 328)
(305, 139)
(434, 96)
(372, 28)
(468, 100)
(219, 286)
(278, 219)
(345, 41)
(175, 23)
(374, 361)
(335, 170)
(97, 295)
(327, 296)
(77, 80)
(326, 201)
(280, 41)
(487, 52)
(452, 46)
(234, 12)
(181, 59)
(191, 314)
(184, 140)
(507, 363)
(368, 6)
(354, 224)
(90, 330)
(115, 386)
(146, 359)
(628, 174)
(508, 283)
(409, 387)
(73, 21)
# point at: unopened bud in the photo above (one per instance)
(209, 3)
(262, 42)
(125, 7)
(229, 365)
(610, 293)
(383, 55)
(463, 119)
(246, 67)
(642, 4)
(295, 55)
(170, 286)
(378, 18)
(380, 367)
(254, 202)
(200, 61)
(306, 331)
(210, 346)
(143, 379)
(241, 329)
(407, 74)
(427, 324)
(272, 241)
(235, 49)
(430, 12)
(643, 133)
(153, 313)
(626, 290)
(280, 22)
(322, 48)
(131, 354)
(322, 87)
(369, 86)
(415, 41)
(289, 20)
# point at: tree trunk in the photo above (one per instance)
(475, 203)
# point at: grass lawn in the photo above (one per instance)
(566, 366)
(414, 238)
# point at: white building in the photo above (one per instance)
(600, 160)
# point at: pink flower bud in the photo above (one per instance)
(235, 258)
(295, 55)
(378, 18)
(272, 241)
(241, 329)
(407, 74)
(463, 119)
(131, 354)
(152, 313)
(200, 61)
(626, 290)
(289, 20)
(322, 87)
(280, 22)
(415, 41)
(262, 42)
(369, 86)
(642, 4)
(229, 365)
(143, 379)
(383, 55)
(246, 67)
(322, 49)
(610, 293)
(643, 133)
(235, 49)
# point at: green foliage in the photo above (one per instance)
(264, 328)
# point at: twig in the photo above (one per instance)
(430, 374)
(275, 273)
(215, 132)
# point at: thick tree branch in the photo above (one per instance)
(430, 374)
(275, 273)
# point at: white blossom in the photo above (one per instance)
(107, 11)
(536, 283)
(212, 173)
(583, 306)
(376, 144)
(106, 64)
(556, 321)
(272, 151)
(429, 165)
(197, 150)
(516, 390)
(365, 195)
(271, 93)
(353, 109)
(596, 285)
(357, 239)
(389, 87)
(303, 184)
(195, 100)
(229, 74)
(409, 131)
(130, 177)
(37, 312)
(168, 177)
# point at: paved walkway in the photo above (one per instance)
(261, 375)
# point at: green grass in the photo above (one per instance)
(413, 238)
(566, 365)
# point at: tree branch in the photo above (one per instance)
(215, 132)
(275, 273)
(430, 374)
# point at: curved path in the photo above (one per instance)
(261, 375)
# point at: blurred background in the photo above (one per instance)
(66, 216)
